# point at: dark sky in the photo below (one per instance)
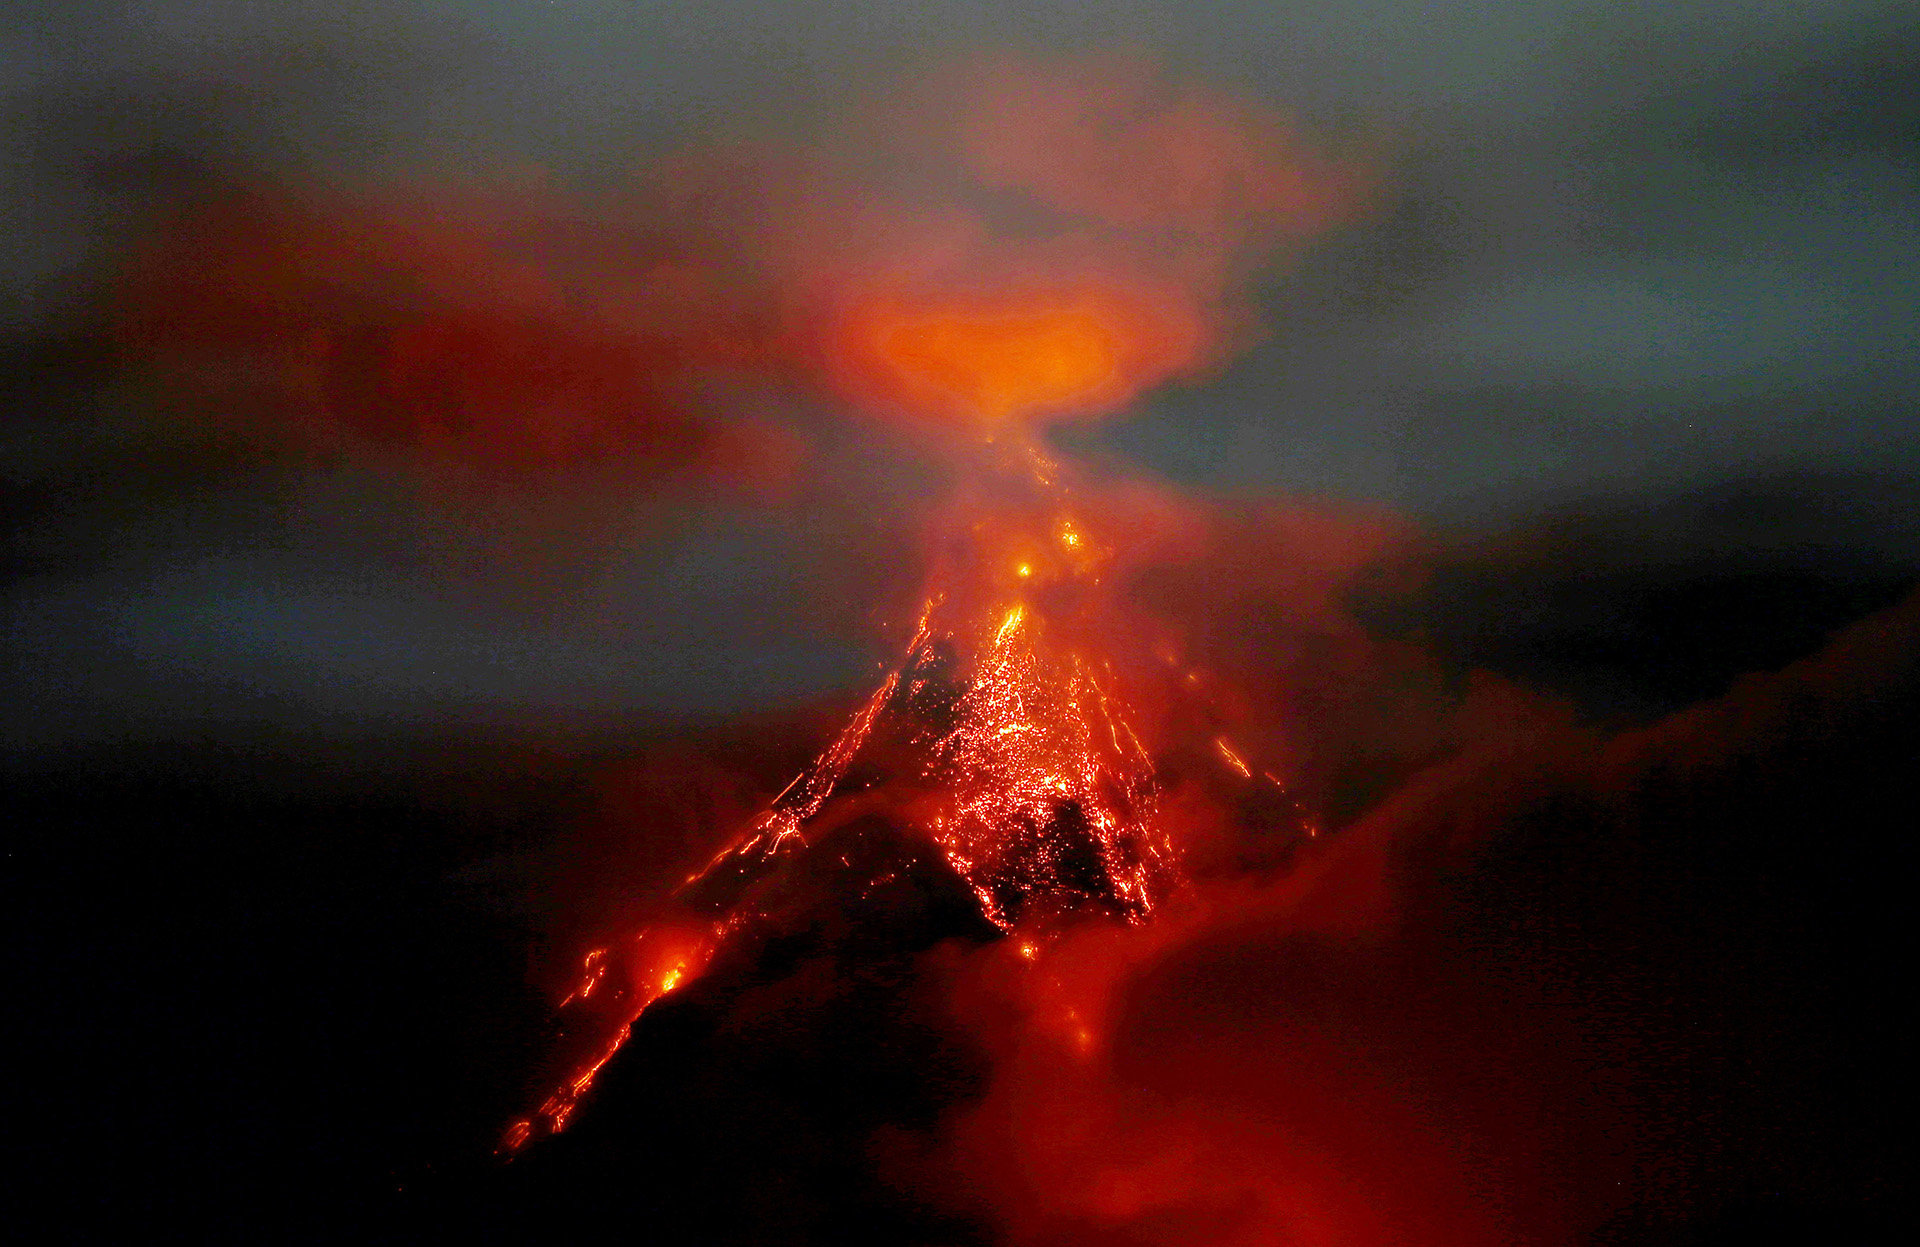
(1639, 278)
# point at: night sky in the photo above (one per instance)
(327, 750)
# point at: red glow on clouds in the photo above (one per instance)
(1017, 242)
(1207, 177)
(1142, 1093)
(991, 361)
(1197, 1034)
(489, 330)
(1142, 209)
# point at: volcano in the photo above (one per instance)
(998, 783)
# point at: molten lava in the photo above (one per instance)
(1009, 741)
(1003, 740)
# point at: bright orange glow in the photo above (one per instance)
(1032, 780)
(991, 361)
(659, 960)
(1048, 798)
(1008, 737)
(1001, 363)
(1009, 625)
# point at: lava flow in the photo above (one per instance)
(1004, 738)
(1008, 741)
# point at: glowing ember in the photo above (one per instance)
(1049, 793)
(656, 961)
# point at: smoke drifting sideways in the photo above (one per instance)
(1008, 241)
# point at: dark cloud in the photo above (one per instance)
(1630, 252)
(1635, 606)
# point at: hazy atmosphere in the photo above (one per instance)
(1179, 624)
(1636, 273)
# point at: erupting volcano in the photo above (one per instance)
(778, 661)
(1017, 245)
(1011, 737)
(1007, 741)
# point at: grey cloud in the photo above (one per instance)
(1625, 253)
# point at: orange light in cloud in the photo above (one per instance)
(1003, 362)
(989, 361)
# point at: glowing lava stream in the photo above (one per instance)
(996, 738)
(1001, 738)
